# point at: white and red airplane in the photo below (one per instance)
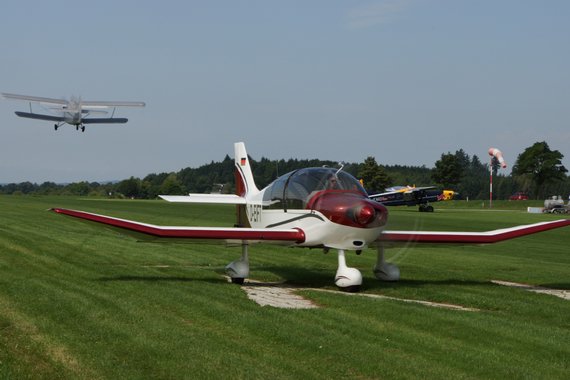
(314, 207)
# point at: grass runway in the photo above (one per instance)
(81, 301)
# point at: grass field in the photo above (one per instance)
(81, 301)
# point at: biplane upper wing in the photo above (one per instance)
(38, 99)
(229, 234)
(487, 237)
(84, 103)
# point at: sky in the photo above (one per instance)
(403, 81)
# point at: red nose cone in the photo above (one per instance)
(365, 215)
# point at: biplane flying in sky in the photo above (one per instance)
(75, 111)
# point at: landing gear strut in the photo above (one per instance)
(385, 271)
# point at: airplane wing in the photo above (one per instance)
(205, 198)
(415, 189)
(39, 116)
(38, 99)
(209, 233)
(105, 104)
(488, 237)
(84, 103)
(403, 190)
(105, 120)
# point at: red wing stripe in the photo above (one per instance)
(221, 233)
(471, 237)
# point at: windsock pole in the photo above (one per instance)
(494, 153)
(491, 183)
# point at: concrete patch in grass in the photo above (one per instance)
(561, 293)
(277, 294)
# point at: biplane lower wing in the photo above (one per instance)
(39, 116)
(105, 120)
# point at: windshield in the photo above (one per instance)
(293, 190)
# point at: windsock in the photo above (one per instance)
(498, 155)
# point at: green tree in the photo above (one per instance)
(541, 165)
(78, 188)
(448, 171)
(130, 187)
(172, 186)
(373, 175)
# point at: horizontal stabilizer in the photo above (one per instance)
(39, 116)
(205, 198)
(105, 120)
(95, 104)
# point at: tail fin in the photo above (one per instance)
(245, 183)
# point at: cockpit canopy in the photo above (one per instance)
(294, 190)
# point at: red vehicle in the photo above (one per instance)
(519, 196)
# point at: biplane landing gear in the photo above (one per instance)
(82, 128)
(55, 126)
(347, 279)
(238, 270)
(385, 271)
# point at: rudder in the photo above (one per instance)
(245, 183)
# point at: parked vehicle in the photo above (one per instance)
(519, 196)
(555, 205)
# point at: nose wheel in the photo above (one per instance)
(346, 278)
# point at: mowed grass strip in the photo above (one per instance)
(79, 300)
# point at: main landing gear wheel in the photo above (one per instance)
(426, 208)
(238, 270)
(385, 271)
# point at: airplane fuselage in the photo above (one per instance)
(340, 218)
(73, 118)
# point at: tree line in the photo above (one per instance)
(538, 171)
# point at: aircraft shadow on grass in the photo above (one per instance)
(296, 277)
